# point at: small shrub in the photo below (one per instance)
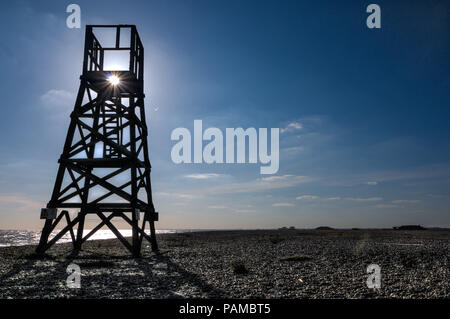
(324, 228)
(275, 239)
(239, 267)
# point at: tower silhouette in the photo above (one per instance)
(104, 168)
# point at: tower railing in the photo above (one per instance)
(94, 55)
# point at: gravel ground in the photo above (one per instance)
(240, 264)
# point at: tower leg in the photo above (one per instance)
(153, 235)
(79, 240)
(136, 241)
(41, 248)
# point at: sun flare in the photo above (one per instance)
(113, 79)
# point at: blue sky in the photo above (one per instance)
(364, 113)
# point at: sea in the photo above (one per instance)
(30, 237)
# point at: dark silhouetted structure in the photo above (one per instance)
(104, 168)
(409, 227)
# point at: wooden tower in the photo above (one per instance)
(104, 168)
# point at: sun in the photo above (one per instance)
(113, 79)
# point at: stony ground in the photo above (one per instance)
(241, 264)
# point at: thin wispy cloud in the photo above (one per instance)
(435, 195)
(177, 195)
(283, 205)
(57, 103)
(307, 197)
(20, 201)
(418, 173)
(259, 185)
(406, 201)
(368, 199)
(217, 207)
(187, 196)
(245, 211)
(293, 149)
(372, 183)
(253, 186)
(291, 127)
(57, 99)
(203, 176)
